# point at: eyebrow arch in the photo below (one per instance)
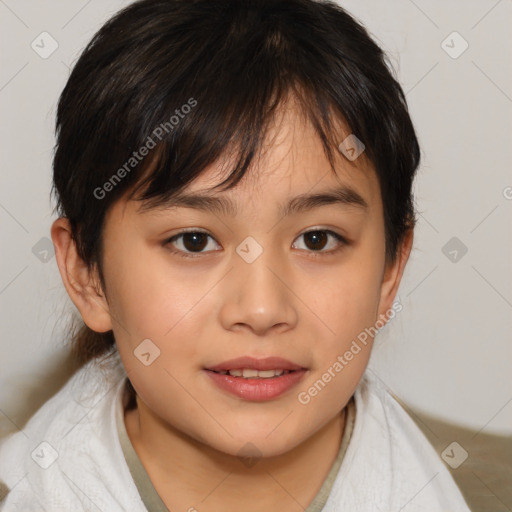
(344, 196)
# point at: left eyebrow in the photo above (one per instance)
(343, 196)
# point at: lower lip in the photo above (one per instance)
(257, 390)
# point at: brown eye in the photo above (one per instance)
(317, 240)
(189, 243)
(195, 241)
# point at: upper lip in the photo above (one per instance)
(267, 363)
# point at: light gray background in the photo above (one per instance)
(449, 351)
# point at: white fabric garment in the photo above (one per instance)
(389, 465)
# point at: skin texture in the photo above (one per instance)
(304, 304)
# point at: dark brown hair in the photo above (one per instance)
(191, 79)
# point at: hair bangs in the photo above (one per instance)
(234, 138)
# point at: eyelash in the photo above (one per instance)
(184, 254)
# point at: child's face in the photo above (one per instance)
(298, 300)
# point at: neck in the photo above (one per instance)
(188, 473)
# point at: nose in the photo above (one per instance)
(259, 296)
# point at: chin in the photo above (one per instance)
(251, 448)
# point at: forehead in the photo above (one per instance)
(292, 162)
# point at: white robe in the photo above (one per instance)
(68, 456)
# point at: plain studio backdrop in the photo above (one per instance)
(448, 353)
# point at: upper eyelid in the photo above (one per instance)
(197, 230)
(340, 238)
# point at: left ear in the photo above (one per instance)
(393, 275)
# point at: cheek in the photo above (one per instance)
(151, 297)
(153, 300)
(170, 318)
(348, 302)
(349, 308)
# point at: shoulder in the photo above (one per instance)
(389, 463)
(67, 453)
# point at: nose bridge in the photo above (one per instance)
(258, 297)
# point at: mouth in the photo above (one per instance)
(256, 379)
(252, 373)
(250, 365)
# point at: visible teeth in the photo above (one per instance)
(266, 373)
(250, 373)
